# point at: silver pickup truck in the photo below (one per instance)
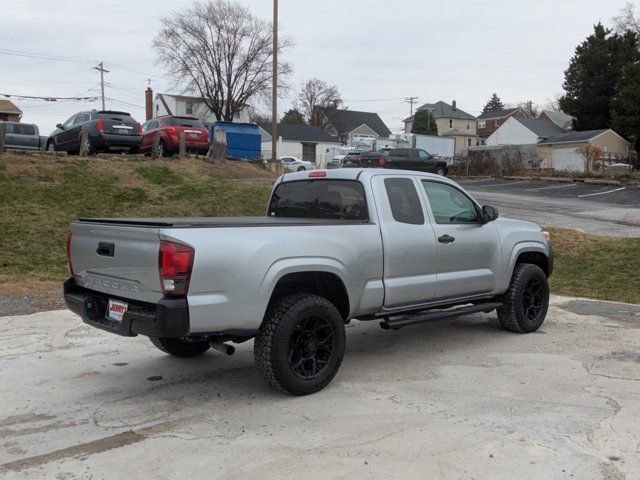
(394, 246)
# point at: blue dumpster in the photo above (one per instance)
(243, 139)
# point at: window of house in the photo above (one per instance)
(497, 123)
(468, 142)
(157, 109)
(605, 149)
(404, 201)
(482, 124)
(450, 124)
(448, 204)
(468, 125)
(189, 108)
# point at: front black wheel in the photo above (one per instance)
(181, 347)
(300, 345)
(526, 302)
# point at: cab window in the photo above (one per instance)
(404, 201)
(448, 204)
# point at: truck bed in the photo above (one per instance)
(219, 222)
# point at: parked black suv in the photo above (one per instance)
(108, 131)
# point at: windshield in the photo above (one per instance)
(331, 199)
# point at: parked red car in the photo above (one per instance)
(170, 127)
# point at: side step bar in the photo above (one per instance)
(398, 323)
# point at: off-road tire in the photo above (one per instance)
(273, 344)
(181, 347)
(512, 315)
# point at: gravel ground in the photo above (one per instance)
(453, 399)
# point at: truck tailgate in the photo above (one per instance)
(115, 259)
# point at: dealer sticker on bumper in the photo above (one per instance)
(116, 309)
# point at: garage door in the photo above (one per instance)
(568, 159)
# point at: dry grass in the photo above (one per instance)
(604, 268)
(41, 194)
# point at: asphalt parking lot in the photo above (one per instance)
(598, 209)
(606, 194)
(454, 399)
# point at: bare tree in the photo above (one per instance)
(553, 104)
(319, 95)
(221, 52)
(628, 20)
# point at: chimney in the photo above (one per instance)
(315, 116)
(148, 103)
(453, 105)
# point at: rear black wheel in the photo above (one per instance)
(182, 347)
(300, 345)
(526, 302)
(301, 169)
(440, 171)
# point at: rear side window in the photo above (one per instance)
(404, 201)
(184, 122)
(23, 129)
(330, 199)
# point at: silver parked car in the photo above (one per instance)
(294, 164)
(22, 136)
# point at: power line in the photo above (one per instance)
(59, 58)
(46, 99)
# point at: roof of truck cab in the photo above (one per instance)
(354, 174)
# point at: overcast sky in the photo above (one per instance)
(376, 52)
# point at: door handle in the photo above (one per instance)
(446, 239)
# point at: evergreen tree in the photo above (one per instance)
(592, 77)
(625, 107)
(424, 123)
(293, 117)
(494, 104)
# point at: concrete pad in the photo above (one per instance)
(445, 400)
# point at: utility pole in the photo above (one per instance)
(411, 101)
(102, 71)
(274, 93)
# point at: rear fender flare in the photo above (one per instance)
(299, 265)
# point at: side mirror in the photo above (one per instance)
(489, 213)
(59, 125)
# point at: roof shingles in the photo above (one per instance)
(346, 121)
(301, 133)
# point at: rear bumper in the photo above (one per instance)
(107, 140)
(169, 318)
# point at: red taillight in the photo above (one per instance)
(69, 254)
(172, 131)
(318, 173)
(139, 129)
(100, 125)
(175, 262)
(381, 161)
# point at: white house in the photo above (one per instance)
(183, 105)
(523, 131)
(305, 142)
